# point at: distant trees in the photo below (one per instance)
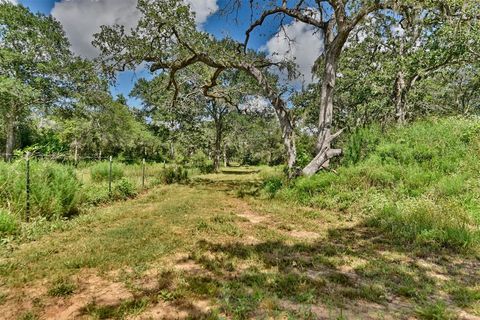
(34, 58)
(166, 38)
(41, 79)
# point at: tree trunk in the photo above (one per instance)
(172, 150)
(288, 135)
(325, 137)
(399, 96)
(10, 132)
(218, 144)
(225, 160)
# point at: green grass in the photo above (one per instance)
(419, 183)
(245, 270)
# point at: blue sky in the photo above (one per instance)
(233, 25)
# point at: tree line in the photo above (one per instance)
(384, 62)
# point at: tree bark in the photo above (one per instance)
(218, 143)
(225, 160)
(288, 136)
(10, 133)
(325, 137)
(399, 97)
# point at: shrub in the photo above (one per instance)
(272, 184)
(54, 188)
(201, 161)
(360, 143)
(174, 175)
(101, 171)
(8, 223)
(124, 189)
(95, 194)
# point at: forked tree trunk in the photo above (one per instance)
(325, 136)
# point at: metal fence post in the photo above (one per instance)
(27, 199)
(110, 178)
(143, 173)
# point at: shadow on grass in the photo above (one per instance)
(355, 270)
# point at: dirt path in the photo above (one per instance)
(202, 252)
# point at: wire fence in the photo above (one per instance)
(139, 173)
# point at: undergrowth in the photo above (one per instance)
(419, 183)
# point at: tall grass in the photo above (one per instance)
(53, 189)
(419, 183)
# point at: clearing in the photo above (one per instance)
(210, 250)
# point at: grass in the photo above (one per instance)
(418, 184)
(180, 245)
(388, 239)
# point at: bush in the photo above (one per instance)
(54, 188)
(201, 161)
(124, 189)
(174, 175)
(101, 171)
(272, 184)
(8, 223)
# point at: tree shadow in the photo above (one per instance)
(354, 269)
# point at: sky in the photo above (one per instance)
(82, 18)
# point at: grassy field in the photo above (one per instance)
(210, 250)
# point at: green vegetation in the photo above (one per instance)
(242, 186)
(54, 189)
(101, 172)
(418, 183)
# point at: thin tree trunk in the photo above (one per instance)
(10, 143)
(288, 135)
(172, 150)
(218, 143)
(225, 160)
(399, 98)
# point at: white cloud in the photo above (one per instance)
(10, 1)
(203, 9)
(83, 18)
(299, 42)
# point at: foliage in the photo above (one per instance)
(124, 189)
(8, 223)
(201, 161)
(174, 174)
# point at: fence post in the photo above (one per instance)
(110, 178)
(143, 173)
(27, 199)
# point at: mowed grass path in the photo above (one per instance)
(210, 250)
